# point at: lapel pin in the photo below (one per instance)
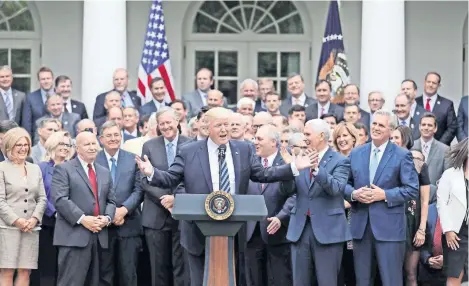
(74, 106)
(236, 152)
(438, 102)
(418, 112)
(412, 126)
(66, 122)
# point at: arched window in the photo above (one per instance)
(261, 17)
(247, 39)
(19, 45)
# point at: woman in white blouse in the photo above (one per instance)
(452, 204)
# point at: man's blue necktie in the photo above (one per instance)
(113, 170)
(374, 162)
(403, 123)
(170, 154)
(223, 170)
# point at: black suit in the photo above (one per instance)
(446, 117)
(267, 257)
(162, 233)
(100, 111)
(334, 109)
(287, 104)
(365, 118)
(79, 108)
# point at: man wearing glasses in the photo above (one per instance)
(46, 127)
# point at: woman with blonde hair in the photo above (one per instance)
(58, 150)
(22, 204)
(345, 138)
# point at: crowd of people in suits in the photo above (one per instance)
(353, 197)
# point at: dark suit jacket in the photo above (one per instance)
(279, 202)
(18, 104)
(419, 112)
(446, 117)
(73, 197)
(127, 190)
(258, 106)
(397, 176)
(33, 109)
(149, 107)
(100, 111)
(365, 118)
(154, 215)
(191, 167)
(462, 119)
(324, 197)
(414, 126)
(79, 108)
(334, 109)
(287, 104)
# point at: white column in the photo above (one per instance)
(382, 50)
(104, 46)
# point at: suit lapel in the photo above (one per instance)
(83, 175)
(202, 154)
(384, 160)
(120, 162)
(277, 162)
(315, 111)
(236, 166)
(366, 154)
(324, 160)
(16, 102)
(433, 150)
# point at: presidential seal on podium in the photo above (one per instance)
(219, 205)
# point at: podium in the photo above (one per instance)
(219, 267)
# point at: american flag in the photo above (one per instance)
(155, 57)
(333, 65)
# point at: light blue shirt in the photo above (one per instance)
(127, 99)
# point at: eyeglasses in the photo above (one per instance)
(65, 144)
(22, 145)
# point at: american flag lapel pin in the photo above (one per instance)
(74, 106)
(438, 102)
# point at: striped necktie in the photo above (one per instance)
(374, 162)
(9, 105)
(223, 169)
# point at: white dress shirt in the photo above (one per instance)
(432, 100)
(108, 158)
(68, 103)
(407, 121)
(320, 155)
(325, 108)
(203, 96)
(174, 142)
(426, 146)
(158, 104)
(214, 166)
(301, 100)
(270, 159)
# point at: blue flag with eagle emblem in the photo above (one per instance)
(333, 62)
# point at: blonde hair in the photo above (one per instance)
(347, 126)
(52, 144)
(217, 113)
(10, 139)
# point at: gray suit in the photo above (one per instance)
(194, 103)
(162, 233)
(18, 102)
(73, 197)
(124, 240)
(334, 109)
(267, 257)
(436, 162)
(37, 153)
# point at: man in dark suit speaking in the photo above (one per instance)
(202, 168)
(84, 198)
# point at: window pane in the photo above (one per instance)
(227, 64)
(22, 22)
(283, 89)
(21, 61)
(4, 57)
(225, 30)
(270, 30)
(267, 64)
(231, 4)
(264, 4)
(213, 8)
(265, 22)
(204, 59)
(3, 26)
(289, 63)
(282, 8)
(239, 16)
(9, 7)
(203, 24)
(231, 22)
(22, 84)
(248, 14)
(229, 88)
(292, 25)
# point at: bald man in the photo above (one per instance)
(120, 80)
(83, 196)
(202, 175)
(215, 98)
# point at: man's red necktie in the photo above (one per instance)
(266, 165)
(437, 246)
(427, 106)
(94, 186)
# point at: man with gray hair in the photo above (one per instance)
(46, 126)
(318, 227)
(12, 100)
(268, 236)
(160, 229)
(383, 179)
(250, 88)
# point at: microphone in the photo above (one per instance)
(221, 152)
